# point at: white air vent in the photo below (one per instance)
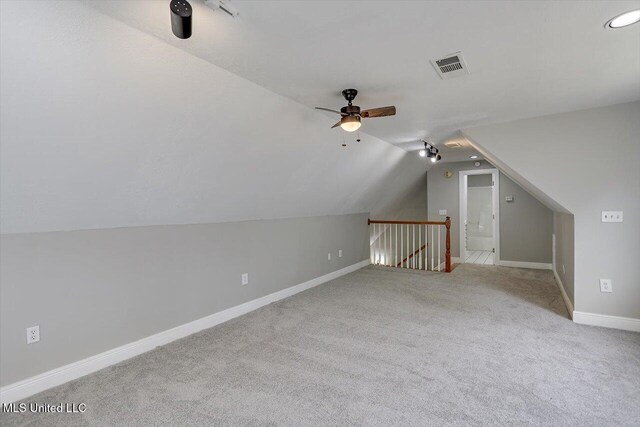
(223, 5)
(453, 144)
(450, 66)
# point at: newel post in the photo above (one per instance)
(447, 254)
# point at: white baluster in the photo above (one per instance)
(395, 253)
(432, 260)
(439, 247)
(378, 244)
(419, 249)
(426, 247)
(401, 244)
(384, 233)
(370, 237)
(408, 244)
(389, 256)
(413, 252)
(375, 242)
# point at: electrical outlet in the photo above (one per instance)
(245, 279)
(611, 216)
(442, 212)
(329, 256)
(606, 285)
(33, 334)
(340, 253)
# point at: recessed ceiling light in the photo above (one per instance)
(422, 153)
(625, 19)
(473, 157)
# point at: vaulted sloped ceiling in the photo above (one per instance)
(106, 126)
(526, 58)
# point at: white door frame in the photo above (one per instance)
(496, 210)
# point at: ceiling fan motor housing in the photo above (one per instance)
(349, 94)
(350, 109)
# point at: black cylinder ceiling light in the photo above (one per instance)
(181, 13)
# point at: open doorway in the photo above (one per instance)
(479, 217)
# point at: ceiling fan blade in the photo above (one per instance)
(330, 110)
(336, 125)
(379, 112)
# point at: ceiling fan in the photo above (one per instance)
(351, 114)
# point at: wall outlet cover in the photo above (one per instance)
(33, 334)
(245, 279)
(340, 253)
(606, 285)
(329, 256)
(442, 212)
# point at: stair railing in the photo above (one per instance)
(411, 244)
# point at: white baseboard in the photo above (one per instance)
(605, 321)
(66, 373)
(565, 297)
(523, 264)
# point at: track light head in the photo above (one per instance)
(430, 152)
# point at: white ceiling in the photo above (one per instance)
(527, 58)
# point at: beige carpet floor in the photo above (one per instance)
(483, 345)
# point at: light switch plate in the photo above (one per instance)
(606, 285)
(442, 212)
(340, 253)
(611, 216)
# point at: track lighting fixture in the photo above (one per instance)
(430, 152)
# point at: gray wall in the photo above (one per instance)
(91, 291)
(108, 156)
(582, 163)
(517, 242)
(443, 193)
(563, 262)
(409, 201)
(526, 225)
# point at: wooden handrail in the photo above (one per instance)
(375, 221)
(411, 256)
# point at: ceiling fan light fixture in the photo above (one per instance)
(350, 123)
(352, 115)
